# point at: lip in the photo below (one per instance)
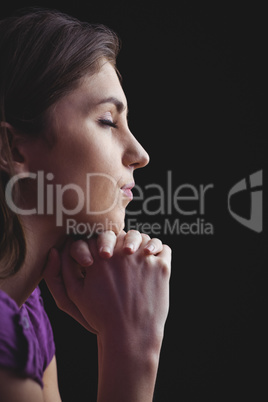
(126, 190)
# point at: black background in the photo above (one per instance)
(194, 74)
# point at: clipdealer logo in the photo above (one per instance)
(180, 210)
(254, 186)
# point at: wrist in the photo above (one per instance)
(139, 346)
(127, 370)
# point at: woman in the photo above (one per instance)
(67, 155)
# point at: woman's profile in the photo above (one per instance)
(67, 156)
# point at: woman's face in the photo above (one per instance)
(94, 152)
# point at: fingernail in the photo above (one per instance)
(105, 250)
(129, 247)
(150, 248)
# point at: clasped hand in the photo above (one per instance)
(113, 284)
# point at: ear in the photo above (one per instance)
(13, 150)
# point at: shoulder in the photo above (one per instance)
(23, 375)
(34, 309)
(26, 338)
(13, 358)
(12, 341)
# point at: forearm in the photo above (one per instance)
(126, 373)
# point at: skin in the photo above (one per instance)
(116, 285)
(83, 145)
(85, 142)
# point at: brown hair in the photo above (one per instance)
(43, 56)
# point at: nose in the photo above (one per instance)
(134, 154)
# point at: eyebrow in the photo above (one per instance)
(120, 107)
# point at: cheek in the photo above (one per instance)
(87, 172)
(94, 194)
(102, 192)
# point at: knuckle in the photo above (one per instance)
(77, 246)
(165, 269)
(133, 232)
(165, 265)
(145, 236)
(59, 304)
(157, 241)
(167, 248)
(110, 233)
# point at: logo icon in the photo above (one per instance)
(254, 186)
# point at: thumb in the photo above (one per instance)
(53, 277)
(52, 268)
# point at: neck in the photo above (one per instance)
(39, 240)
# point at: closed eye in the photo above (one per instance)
(105, 122)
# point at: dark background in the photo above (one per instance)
(193, 73)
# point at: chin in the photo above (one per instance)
(120, 228)
(86, 225)
(115, 222)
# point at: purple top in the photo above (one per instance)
(26, 337)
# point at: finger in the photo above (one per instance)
(154, 246)
(72, 272)
(132, 241)
(166, 256)
(106, 242)
(145, 239)
(52, 270)
(53, 278)
(56, 286)
(80, 252)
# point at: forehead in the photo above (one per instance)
(92, 92)
(104, 84)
